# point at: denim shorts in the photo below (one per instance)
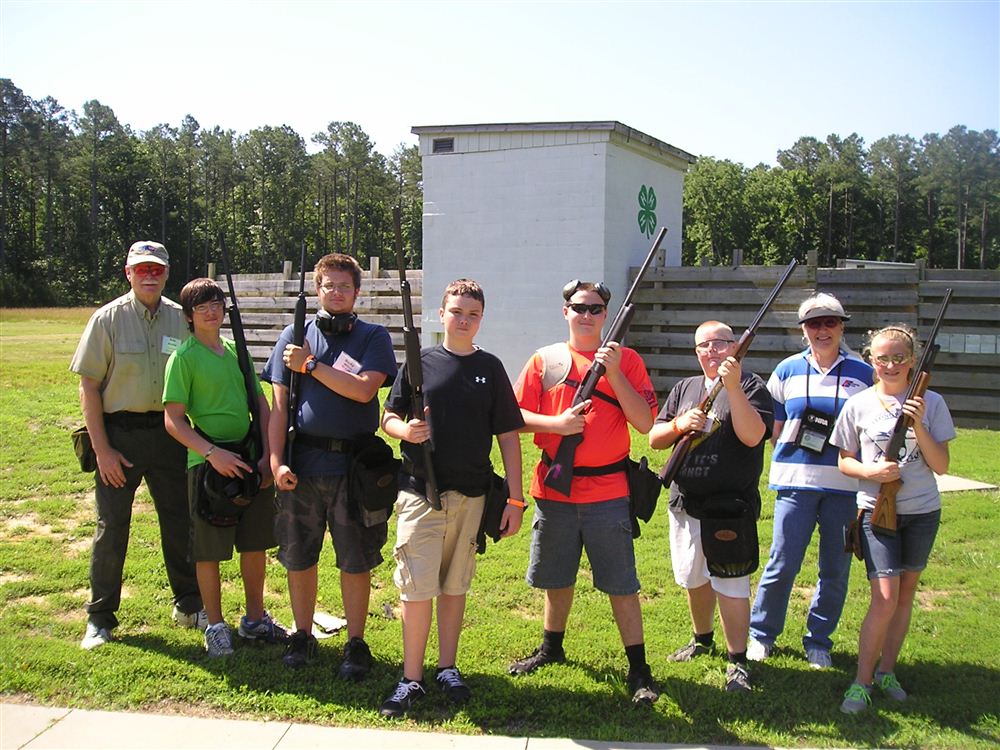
(560, 533)
(302, 517)
(887, 556)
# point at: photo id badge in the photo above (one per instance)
(814, 430)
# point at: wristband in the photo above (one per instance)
(305, 364)
(209, 452)
(517, 503)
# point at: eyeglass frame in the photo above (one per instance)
(714, 345)
(594, 309)
(342, 288)
(154, 270)
(216, 305)
(884, 360)
(815, 324)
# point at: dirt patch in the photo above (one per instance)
(13, 578)
(928, 600)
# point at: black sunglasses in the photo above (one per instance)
(600, 287)
(580, 308)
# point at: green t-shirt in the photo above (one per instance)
(211, 388)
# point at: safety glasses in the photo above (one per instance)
(580, 308)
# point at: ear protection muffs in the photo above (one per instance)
(600, 287)
(335, 325)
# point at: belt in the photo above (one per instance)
(333, 445)
(591, 471)
(134, 419)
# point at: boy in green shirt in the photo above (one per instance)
(203, 384)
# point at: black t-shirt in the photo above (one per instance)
(720, 462)
(470, 400)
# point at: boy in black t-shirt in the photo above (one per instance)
(469, 399)
(726, 460)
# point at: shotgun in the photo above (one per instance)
(883, 519)
(560, 474)
(295, 378)
(414, 369)
(682, 448)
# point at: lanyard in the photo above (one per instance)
(836, 392)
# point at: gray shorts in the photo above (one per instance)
(888, 556)
(253, 533)
(303, 516)
(561, 531)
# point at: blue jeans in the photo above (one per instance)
(796, 513)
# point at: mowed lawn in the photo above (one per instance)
(949, 665)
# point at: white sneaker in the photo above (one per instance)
(819, 658)
(757, 651)
(218, 640)
(195, 620)
(95, 637)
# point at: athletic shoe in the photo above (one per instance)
(357, 660)
(641, 686)
(819, 658)
(737, 679)
(192, 620)
(95, 637)
(758, 650)
(218, 640)
(537, 658)
(858, 698)
(300, 650)
(691, 650)
(407, 693)
(265, 629)
(451, 682)
(888, 684)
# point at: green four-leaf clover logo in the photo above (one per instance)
(647, 210)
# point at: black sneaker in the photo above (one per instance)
(641, 686)
(737, 679)
(451, 682)
(537, 658)
(357, 660)
(688, 652)
(300, 650)
(407, 693)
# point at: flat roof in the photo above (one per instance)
(625, 131)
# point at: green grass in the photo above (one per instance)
(949, 663)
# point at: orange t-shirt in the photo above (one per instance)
(605, 434)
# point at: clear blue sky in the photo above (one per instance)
(729, 80)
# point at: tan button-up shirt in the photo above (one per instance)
(126, 348)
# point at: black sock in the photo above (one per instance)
(738, 658)
(636, 656)
(441, 669)
(705, 639)
(552, 641)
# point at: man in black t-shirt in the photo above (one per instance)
(468, 399)
(725, 462)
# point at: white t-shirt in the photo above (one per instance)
(865, 426)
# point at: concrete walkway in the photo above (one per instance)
(42, 728)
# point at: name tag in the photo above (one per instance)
(169, 345)
(346, 363)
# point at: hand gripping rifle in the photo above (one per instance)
(884, 514)
(414, 369)
(560, 473)
(682, 448)
(253, 441)
(295, 379)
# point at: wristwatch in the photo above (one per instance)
(310, 365)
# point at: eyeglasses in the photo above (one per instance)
(149, 269)
(206, 307)
(897, 359)
(717, 345)
(341, 288)
(815, 324)
(580, 308)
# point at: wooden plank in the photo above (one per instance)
(983, 314)
(758, 275)
(961, 274)
(934, 290)
(886, 277)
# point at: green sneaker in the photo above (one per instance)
(889, 685)
(857, 699)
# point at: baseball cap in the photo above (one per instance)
(822, 306)
(145, 251)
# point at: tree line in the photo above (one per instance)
(77, 189)
(936, 199)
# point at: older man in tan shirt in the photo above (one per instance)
(120, 360)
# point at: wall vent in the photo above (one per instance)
(444, 146)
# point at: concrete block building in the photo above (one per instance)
(523, 208)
